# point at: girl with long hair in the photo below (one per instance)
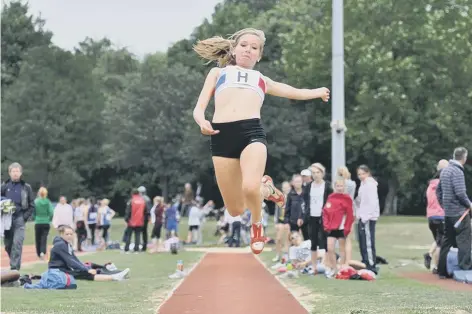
(238, 139)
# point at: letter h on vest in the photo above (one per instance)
(245, 76)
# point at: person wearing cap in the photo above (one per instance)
(306, 176)
(315, 194)
(147, 215)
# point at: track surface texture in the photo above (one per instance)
(231, 284)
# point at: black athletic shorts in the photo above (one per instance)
(437, 229)
(81, 275)
(294, 227)
(235, 136)
(338, 234)
(194, 227)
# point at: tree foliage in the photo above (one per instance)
(99, 121)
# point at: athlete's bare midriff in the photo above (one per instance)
(234, 104)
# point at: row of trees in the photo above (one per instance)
(98, 121)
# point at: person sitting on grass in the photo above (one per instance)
(63, 258)
(298, 256)
(299, 253)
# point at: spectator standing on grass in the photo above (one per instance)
(367, 212)
(63, 214)
(452, 196)
(157, 219)
(234, 224)
(282, 227)
(22, 195)
(92, 218)
(187, 199)
(316, 193)
(42, 221)
(306, 176)
(172, 218)
(194, 216)
(134, 217)
(79, 219)
(105, 216)
(147, 215)
(295, 205)
(435, 214)
(344, 173)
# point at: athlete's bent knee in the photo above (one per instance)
(251, 189)
(234, 212)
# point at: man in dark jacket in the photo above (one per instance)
(22, 195)
(452, 196)
(135, 217)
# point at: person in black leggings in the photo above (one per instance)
(315, 194)
(92, 217)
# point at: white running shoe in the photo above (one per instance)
(120, 276)
(178, 274)
(276, 266)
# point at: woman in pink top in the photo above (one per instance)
(435, 215)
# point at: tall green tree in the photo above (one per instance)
(394, 59)
(20, 32)
(150, 124)
(52, 120)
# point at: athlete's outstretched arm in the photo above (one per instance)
(203, 100)
(287, 91)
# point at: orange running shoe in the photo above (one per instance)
(276, 195)
(257, 238)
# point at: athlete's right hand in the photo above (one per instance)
(207, 129)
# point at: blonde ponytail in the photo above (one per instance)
(220, 49)
(216, 49)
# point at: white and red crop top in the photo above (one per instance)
(236, 77)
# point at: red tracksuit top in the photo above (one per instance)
(337, 206)
(138, 207)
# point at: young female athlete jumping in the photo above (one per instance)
(238, 140)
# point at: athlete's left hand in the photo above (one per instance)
(323, 93)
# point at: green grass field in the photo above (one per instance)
(399, 240)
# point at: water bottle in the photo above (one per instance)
(180, 265)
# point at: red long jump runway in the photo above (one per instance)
(28, 257)
(231, 283)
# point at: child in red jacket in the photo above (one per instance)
(338, 217)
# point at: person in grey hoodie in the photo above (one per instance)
(367, 212)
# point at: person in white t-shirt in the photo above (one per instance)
(193, 223)
(316, 194)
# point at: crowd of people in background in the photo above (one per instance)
(318, 215)
(322, 214)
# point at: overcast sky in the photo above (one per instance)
(144, 26)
